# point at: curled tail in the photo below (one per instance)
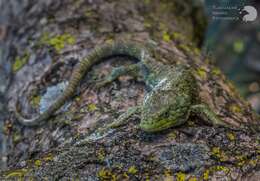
(116, 49)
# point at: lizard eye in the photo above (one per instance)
(165, 114)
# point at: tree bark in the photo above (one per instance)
(50, 37)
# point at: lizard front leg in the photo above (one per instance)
(208, 115)
(123, 119)
(133, 70)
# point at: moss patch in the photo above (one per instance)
(58, 42)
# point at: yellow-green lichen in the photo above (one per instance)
(231, 136)
(88, 13)
(20, 62)
(147, 177)
(125, 175)
(235, 108)
(89, 108)
(58, 42)
(106, 174)
(241, 160)
(216, 71)
(238, 46)
(217, 153)
(202, 73)
(132, 170)
(92, 107)
(220, 168)
(211, 170)
(166, 37)
(253, 162)
(206, 175)
(193, 179)
(109, 40)
(168, 173)
(180, 176)
(37, 163)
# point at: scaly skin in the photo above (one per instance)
(168, 104)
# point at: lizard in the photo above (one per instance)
(171, 100)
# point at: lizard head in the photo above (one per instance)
(168, 104)
(162, 110)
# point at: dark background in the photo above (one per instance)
(235, 47)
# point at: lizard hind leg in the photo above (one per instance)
(208, 115)
(133, 70)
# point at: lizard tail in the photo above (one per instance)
(116, 49)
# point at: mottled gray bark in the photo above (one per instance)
(48, 37)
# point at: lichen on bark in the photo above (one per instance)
(193, 150)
